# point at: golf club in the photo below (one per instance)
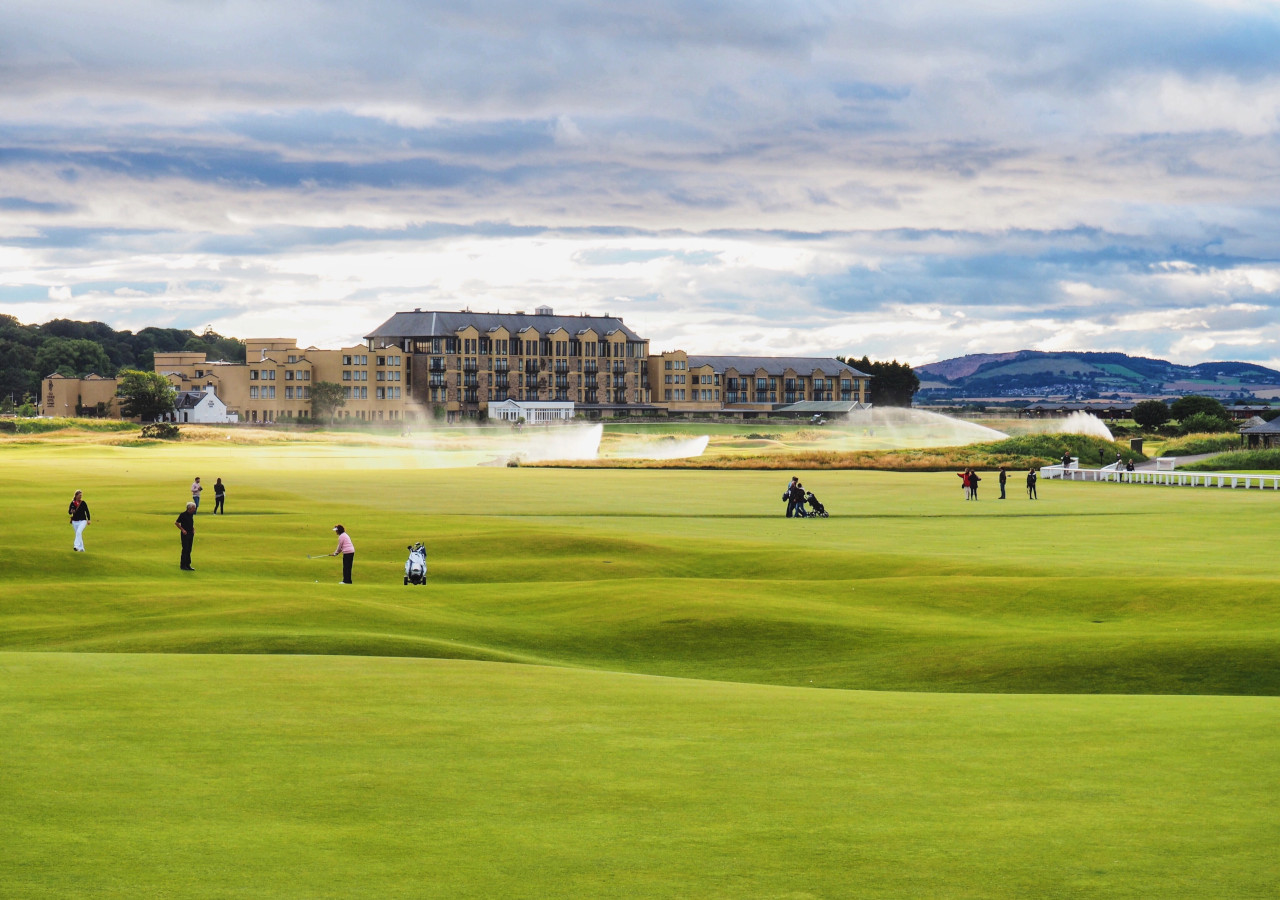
(318, 555)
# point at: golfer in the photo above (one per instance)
(348, 551)
(1031, 484)
(186, 523)
(79, 513)
(219, 495)
(196, 488)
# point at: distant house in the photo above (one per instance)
(1257, 433)
(202, 408)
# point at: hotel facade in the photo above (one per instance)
(457, 363)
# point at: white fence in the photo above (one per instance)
(1150, 476)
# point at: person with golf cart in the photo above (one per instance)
(348, 551)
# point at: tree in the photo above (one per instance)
(1150, 414)
(1191, 404)
(1203, 423)
(892, 383)
(73, 357)
(145, 395)
(326, 399)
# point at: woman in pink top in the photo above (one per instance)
(348, 551)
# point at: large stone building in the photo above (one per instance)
(273, 384)
(463, 361)
(458, 363)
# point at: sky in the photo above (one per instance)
(908, 179)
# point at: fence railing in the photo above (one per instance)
(1173, 479)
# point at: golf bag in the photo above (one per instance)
(815, 506)
(415, 567)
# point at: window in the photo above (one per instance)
(364, 393)
(382, 360)
(253, 374)
(346, 393)
(380, 394)
(293, 359)
(346, 360)
(288, 393)
(253, 392)
(288, 376)
(381, 376)
(269, 374)
(346, 374)
(269, 392)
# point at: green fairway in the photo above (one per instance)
(630, 683)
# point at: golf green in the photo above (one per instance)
(630, 684)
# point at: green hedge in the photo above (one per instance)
(1200, 443)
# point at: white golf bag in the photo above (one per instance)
(415, 567)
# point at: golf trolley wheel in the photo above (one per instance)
(406, 579)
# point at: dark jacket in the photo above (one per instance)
(186, 521)
(79, 512)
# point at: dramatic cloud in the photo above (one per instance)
(907, 179)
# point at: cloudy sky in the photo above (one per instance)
(906, 179)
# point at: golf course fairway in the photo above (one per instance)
(633, 683)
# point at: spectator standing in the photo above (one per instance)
(196, 489)
(973, 483)
(1004, 476)
(1031, 484)
(219, 494)
(790, 496)
(186, 524)
(79, 513)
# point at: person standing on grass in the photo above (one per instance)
(973, 483)
(219, 494)
(964, 482)
(348, 551)
(790, 497)
(1004, 476)
(186, 524)
(196, 488)
(79, 513)
(1031, 484)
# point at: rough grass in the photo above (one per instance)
(1018, 452)
(1200, 443)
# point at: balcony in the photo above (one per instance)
(436, 381)
(619, 381)
(471, 396)
(501, 367)
(470, 365)
(590, 397)
(531, 367)
(437, 365)
(619, 396)
(562, 367)
(500, 381)
(619, 366)
(531, 381)
(470, 380)
(590, 369)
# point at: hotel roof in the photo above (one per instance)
(443, 323)
(775, 365)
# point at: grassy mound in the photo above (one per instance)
(1239, 461)
(1200, 443)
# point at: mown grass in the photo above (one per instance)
(630, 683)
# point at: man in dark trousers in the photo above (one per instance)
(1031, 484)
(1004, 476)
(790, 496)
(186, 523)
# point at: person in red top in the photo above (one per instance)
(348, 551)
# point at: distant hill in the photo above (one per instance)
(1035, 373)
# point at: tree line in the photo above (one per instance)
(30, 353)
(892, 383)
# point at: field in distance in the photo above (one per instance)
(630, 683)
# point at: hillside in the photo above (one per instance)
(1085, 374)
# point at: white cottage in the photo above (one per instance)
(202, 408)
